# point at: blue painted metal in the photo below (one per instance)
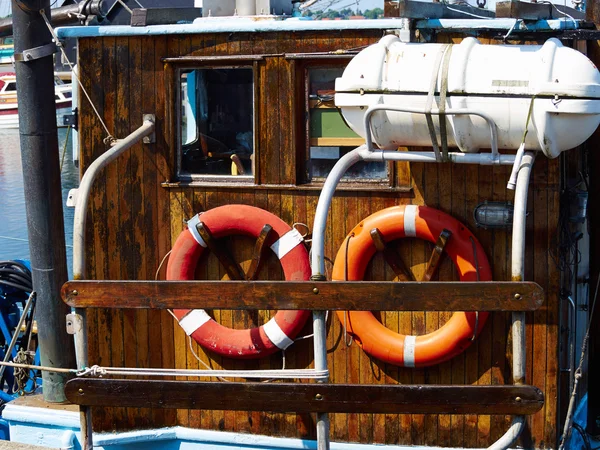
(12, 302)
(498, 24)
(4, 430)
(575, 442)
(250, 25)
(55, 428)
(232, 25)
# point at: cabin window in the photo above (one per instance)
(11, 87)
(329, 137)
(216, 124)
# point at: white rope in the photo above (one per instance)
(125, 6)
(309, 374)
(110, 138)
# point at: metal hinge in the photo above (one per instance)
(71, 120)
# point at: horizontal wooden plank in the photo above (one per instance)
(536, 11)
(333, 295)
(305, 398)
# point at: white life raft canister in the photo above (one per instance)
(498, 80)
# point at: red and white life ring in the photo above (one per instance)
(465, 252)
(240, 220)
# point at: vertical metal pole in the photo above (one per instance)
(76, 326)
(43, 200)
(518, 274)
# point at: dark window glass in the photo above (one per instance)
(217, 121)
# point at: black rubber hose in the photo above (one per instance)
(15, 275)
(17, 264)
(16, 285)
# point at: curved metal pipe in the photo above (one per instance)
(334, 177)
(518, 243)
(85, 187)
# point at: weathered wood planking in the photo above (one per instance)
(116, 242)
(338, 295)
(307, 398)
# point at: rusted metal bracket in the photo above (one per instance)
(436, 254)
(233, 269)
(259, 252)
(391, 257)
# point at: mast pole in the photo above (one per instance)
(34, 68)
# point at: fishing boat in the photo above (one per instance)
(9, 117)
(268, 169)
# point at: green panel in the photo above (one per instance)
(329, 123)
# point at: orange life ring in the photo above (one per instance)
(230, 220)
(424, 223)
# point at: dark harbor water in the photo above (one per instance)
(13, 220)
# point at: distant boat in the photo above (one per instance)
(9, 117)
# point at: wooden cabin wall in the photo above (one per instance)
(135, 217)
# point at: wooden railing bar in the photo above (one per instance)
(356, 295)
(306, 398)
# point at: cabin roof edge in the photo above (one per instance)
(241, 25)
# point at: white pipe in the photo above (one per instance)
(363, 154)
(518, 274)
(334, 177)
(84, 191)
(512, 181)
(483, 159)
(519, 218)
(67, 440)
(510, 436)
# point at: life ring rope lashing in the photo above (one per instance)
(464, 250)
(286, 242)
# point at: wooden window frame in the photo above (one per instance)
(304, 177)
(174, 68)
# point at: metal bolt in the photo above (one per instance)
(517, 296)
(74, 292)
(315, 290)
(318, 397)
(518, 399)
(80, 391)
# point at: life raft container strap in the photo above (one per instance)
(391, 257)
(436, 254)
(259, 251)
(442, 107)
(233, 269)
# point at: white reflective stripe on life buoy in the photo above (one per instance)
(192, 227)
(409, 351)
(287, 243)
(194, 320)
(410, 220)
(276, 335)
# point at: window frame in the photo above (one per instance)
(215, 62)
(377, 183)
